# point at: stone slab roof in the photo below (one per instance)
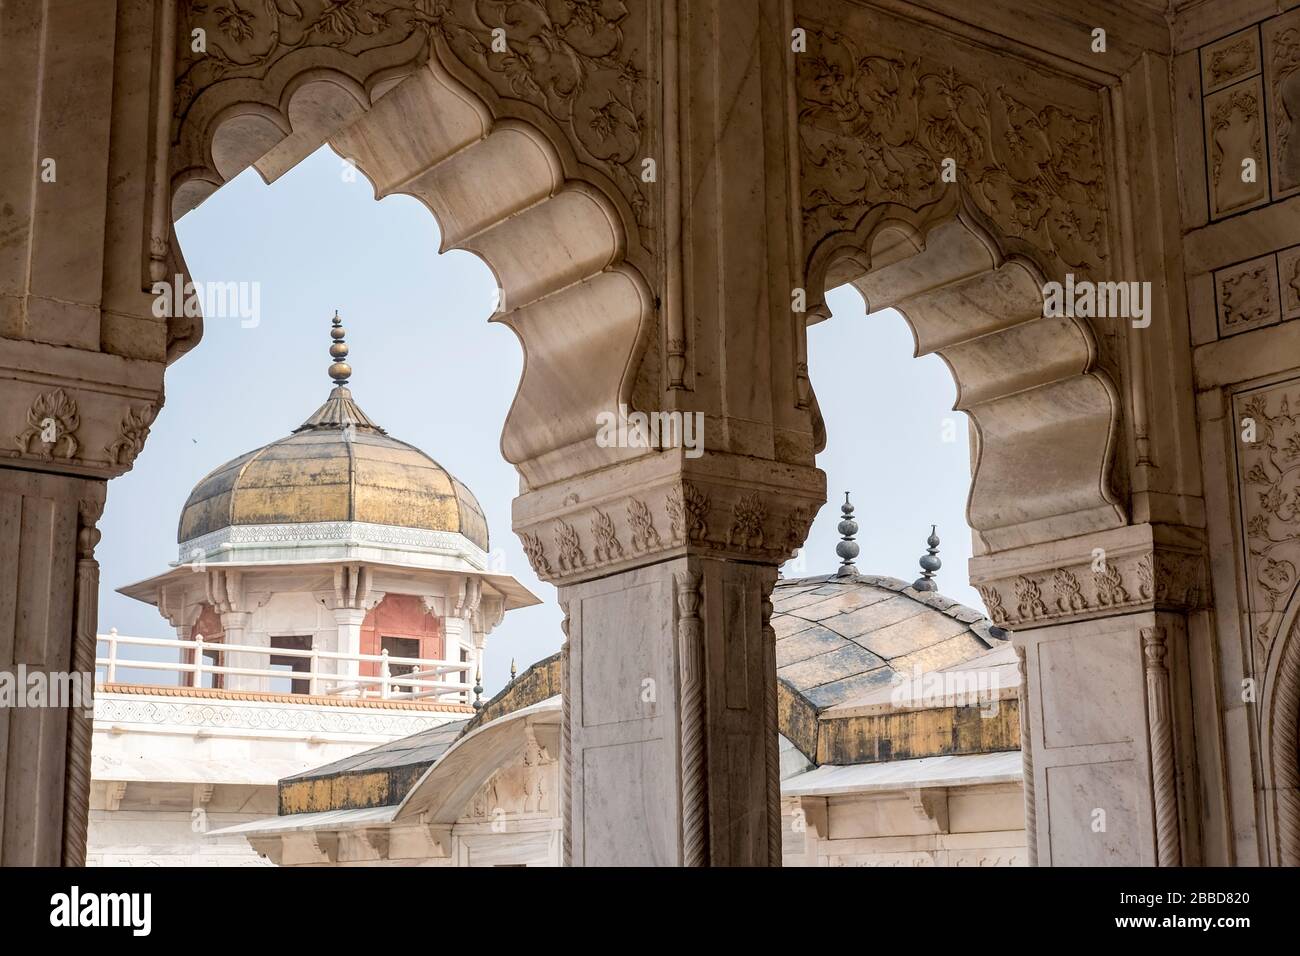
(841, 638)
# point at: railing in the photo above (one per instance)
(426, 680)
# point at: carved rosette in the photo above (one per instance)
(1142, 580)
(676, 517)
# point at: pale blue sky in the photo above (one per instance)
(430, 369)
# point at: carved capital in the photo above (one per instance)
(1098, 576)
(654, 508)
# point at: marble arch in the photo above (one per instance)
(650, 182)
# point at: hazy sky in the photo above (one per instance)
(430, 369)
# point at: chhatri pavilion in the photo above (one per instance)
(332, 592)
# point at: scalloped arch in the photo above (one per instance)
(1046, 418)
(502, 182)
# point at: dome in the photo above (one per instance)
(338, 472)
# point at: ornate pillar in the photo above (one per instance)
(47, 648)
(1101, 628)
(670, 739)
(81, 361)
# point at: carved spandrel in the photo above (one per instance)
(876, 125)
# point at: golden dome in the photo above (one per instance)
(338, 466)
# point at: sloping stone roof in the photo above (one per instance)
(838, 638)
(377, 777)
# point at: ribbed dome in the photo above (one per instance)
(337, 466)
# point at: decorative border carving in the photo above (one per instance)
(213, 546)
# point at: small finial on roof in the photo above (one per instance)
(513, 671)
(847, 549)
(478, 688)
(930, 563)
(340, 370)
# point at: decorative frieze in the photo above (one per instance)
(700, 516)
(1094, 586)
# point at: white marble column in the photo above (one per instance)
(47, 529)
(348, 621)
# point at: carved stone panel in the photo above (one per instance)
(1282, 86)
(1234, 134)
(881, 112)
(1229, 60)
(1247, 295)
(1268, 476)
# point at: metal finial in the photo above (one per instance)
(847, 549)
(340, 371)
(930, 563)
(513, 671)
(478, 688)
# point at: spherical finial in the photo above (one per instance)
(847, 549)
(340, 371)
(930, 563)
(478, 689)
(513, 671)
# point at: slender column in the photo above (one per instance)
(1027, 757)
(349, 621)
(82, 681)
(1160, 728)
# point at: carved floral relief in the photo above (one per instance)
(1269, 483)
(875, 126)
(1247, 295)
(1234, 131)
